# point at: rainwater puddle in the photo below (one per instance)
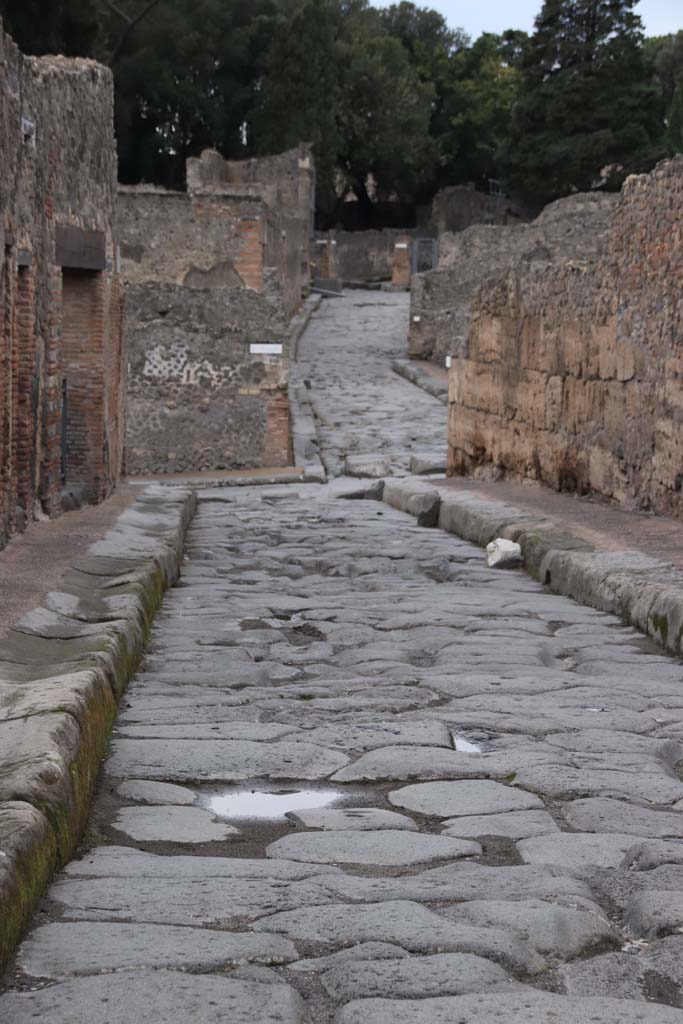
(258, 805)
(466, 746)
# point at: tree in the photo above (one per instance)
(70, 27)
(479, 94)
(664, 55)
(585, 100)
(297, 97)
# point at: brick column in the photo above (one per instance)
(400, 264)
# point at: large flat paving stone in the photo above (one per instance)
(356, 818)
(579, 852)
(521, 1007)
(383, 847)
(511, 824)
(60, 949)
(468, 797)
(221, 760)
(155, 793)
(415, 977)
(602, 814)
(563, 782)
(367, 736)
(406, 924)
(157, 997)
(553, 930)
(654, 913)
(172, 825)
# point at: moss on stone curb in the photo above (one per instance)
(113, 593)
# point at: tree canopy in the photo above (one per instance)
(396, 103)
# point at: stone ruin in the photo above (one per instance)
(62, 361)
(213, 276)
(567, 345)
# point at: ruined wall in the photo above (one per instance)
(457, 208)
(61, 359)
(573, 370)
(212, 275)
(441, 300)
(358, 256)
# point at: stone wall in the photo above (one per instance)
(358, 257)
(441, 300)
(212, 275)
(458, 208)
(572, 374)
(62, 363)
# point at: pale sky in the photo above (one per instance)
(477, 16)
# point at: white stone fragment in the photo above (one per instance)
(503, 554)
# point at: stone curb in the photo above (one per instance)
(644, 592)
(416, 375)
(304, 433)
(63, 668)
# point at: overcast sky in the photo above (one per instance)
(477, 16)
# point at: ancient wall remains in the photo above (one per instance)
(62, 363)
(213, 276)
(573, 370)
(358, 257)
(458, 208)
(441, 300)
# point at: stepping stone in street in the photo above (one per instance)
(467, 797)
(384, 847)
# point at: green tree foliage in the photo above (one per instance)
(585, 101)
(395, 102)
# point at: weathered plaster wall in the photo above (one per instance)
(573, 371)
(58, 285)
(209, 274)
(441, 300)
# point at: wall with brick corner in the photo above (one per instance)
(572, 373)
(210, 273)
(57, 217)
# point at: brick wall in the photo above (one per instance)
(209, 274)
(573, 370)
(57, 212)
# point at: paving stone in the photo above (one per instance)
(405, 923)
(654, 913)
(579, 852)
(513, 824)
(520, 1007)
(653, 853)
(563, 783)
(553, 930)
(221, 760)
(172, 825)
(366, 736)
(469, 797)
(385, 847)
(60, 949)
(641, 971)
(155, 792)
(358, 818)
(163, 997)
(601, 814)
(415, 977)
(363, 951)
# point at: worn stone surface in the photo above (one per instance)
(384, 847)
(165, 996)
(330, 646)
(453, 799)
(171, 825)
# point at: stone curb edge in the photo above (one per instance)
(306, 449)
(644, 592)
(63, 669)
(420, 378)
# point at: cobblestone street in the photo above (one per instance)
(468, 809)
(364, 410)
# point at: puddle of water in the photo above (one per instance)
(255, 804)
(466, 746)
